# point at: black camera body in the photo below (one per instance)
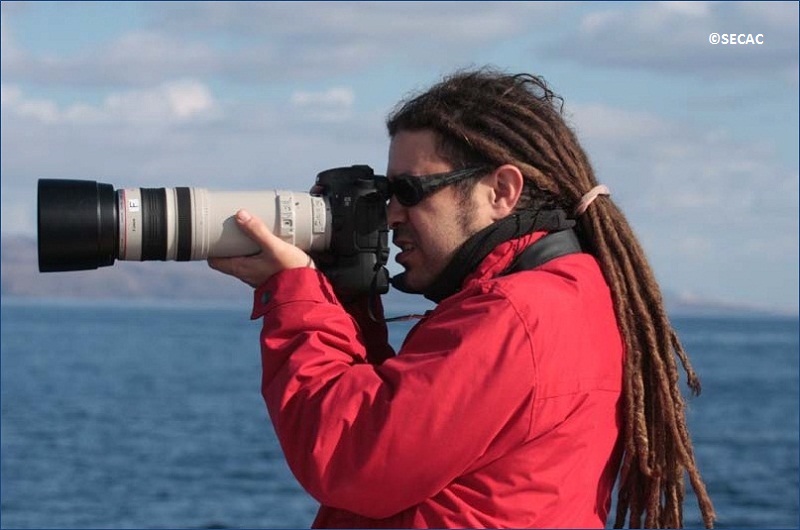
(359, 247)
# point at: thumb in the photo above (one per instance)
(255, 229)
(275, 250)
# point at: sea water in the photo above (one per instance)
(121, 416)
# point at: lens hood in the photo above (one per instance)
(77, 225)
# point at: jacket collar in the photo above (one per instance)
(501, 258)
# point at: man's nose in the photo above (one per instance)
(395, 213)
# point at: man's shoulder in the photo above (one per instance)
(562, 282)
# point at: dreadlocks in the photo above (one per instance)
(486, 117)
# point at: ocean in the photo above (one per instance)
(143, 416)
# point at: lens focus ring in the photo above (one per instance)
(154, 224)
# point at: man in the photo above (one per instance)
(535, 381)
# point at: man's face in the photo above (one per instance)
(429, 233)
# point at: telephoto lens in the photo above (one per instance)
(85, 224)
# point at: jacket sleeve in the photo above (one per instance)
(377, 439)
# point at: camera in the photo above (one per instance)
(84, 225)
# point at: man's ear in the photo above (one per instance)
(506, 184)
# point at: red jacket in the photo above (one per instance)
(502, 408)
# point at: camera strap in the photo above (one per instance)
(552, 246)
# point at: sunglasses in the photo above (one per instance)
(410, 190)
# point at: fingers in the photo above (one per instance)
(276, 254)
(224, 265)
(247, 269)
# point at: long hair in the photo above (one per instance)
(488, 117)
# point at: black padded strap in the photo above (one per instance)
(551, 246)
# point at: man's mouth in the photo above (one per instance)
(406, 248)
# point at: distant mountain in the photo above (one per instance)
(124, 280)
(692, 306)
(173, 281)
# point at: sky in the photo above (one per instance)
(697, 140)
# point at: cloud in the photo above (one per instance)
(335, 104)
(381, 23)
(266, 40)
(10, 54)
(178, 133)
(175, 101)
(688, 8)
(672, 37)
(13, 101)
(711, 211)
(138, 58)
(667, 169)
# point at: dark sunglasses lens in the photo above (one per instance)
(405, 192)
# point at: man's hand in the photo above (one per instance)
(275, 256)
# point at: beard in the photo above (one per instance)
(425, 262)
